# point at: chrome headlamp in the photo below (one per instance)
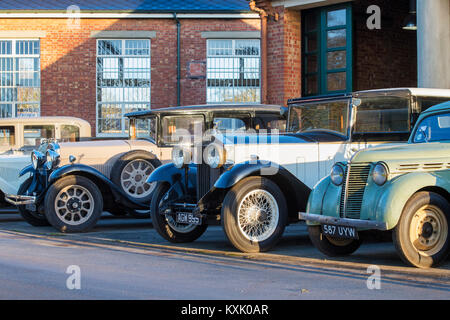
(215, 155)
(380, 173)
(337, 174)
(181, 156)
(52, 159)
(37, 159)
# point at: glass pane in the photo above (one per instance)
(229, 124)
(7, 136)
(312, 85)
(70, 133)
(336, 81)
(311, 63)
(5, 110)
(109, 47)
(181, 129)
(434, 128)
(247, 47)
(336, 38)
(27, 110)
(336, 18)
(336, 60)
(220, 47)
(137, 47)
(5, 47)
(311, 42)
(33, 134)
(311, 21)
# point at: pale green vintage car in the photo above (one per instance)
(403, 188)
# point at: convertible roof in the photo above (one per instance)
(206, 108)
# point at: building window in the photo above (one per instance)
(123, 83)
(233, 71)
(327, 50)
(20, 78)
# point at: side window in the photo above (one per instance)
(425, 102)
(7, 136)
(269, 123)
(230, 124)
(175, 128)
(70, 133)
(32, 135)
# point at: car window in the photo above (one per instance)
(181, 128)
(33, 134)
(270, 123)
(7, 136)
(146, 128)
(382, 114)
(69, 133)
(229, 124)
(425, 102)
(433, 128)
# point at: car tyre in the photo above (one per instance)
(421, 235)
(83, 198)
(34, 218)
(166, 226)
(130, 173)
(330, 246)
(254, 214)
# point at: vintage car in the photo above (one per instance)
(72, 183)
(405, 189)
(255, 184)
(19, 136)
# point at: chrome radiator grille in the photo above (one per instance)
(353, 190)
(206, 177)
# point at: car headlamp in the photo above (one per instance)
(37, 159)
(215, 155)
(181, 156)
(380, 174)
(337, 174)
(51, 159)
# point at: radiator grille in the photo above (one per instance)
(203, 179)
(351, 200)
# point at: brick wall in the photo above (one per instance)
(68, 60)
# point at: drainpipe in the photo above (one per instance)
(178, 57)
(263, 16)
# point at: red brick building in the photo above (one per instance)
(104, 58)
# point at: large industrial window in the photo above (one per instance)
(20, 78)
(327, 50)
(123, 83)
(233, 71)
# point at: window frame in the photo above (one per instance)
(233, 40)
(322, 50)
(125, 132)
(14, 56)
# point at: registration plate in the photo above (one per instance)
(188, 218)
(339, 232)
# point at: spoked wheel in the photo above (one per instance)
(73, 204)
(330, 246)
(254, 214)
(421, 236)
(131, 171)
(166, 225)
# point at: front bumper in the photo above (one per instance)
(19, 200)
(361, 224)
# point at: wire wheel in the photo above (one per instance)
(428, 230)
(134, 178)
(258, 215)
(74, 205)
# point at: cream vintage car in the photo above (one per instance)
(19, 136)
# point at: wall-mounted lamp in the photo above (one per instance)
(410, 22)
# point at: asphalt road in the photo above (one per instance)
(124, 258)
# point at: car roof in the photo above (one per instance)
(208, 108)
(426, 92)
(44, 120)
(438, 107)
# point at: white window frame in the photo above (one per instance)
(14, 55)
(233, 40)
(124, 133)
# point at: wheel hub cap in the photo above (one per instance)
(134, 178)
(74, 205)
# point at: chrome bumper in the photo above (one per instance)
(363, 224)
(19, 200)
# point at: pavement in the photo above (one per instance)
(125, 258)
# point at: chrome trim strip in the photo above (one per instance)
(19, 199)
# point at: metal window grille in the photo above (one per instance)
(123, 83)
(20, 78)
(233, 71)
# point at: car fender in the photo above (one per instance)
(28, 169)
(318, 197)
(95, 175)
(294, 190)
(170, 174)
(395, 193)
